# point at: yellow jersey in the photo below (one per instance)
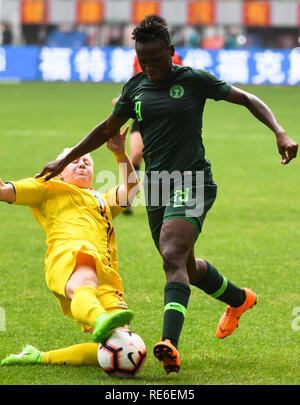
(75, 220)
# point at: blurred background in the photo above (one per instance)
(246, 42)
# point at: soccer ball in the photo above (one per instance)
(123, 354)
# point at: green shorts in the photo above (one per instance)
(190, 200)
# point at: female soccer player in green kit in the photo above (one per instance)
(168, 101)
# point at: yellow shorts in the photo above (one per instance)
(60, 264)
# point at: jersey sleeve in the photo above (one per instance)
(213, 87)
(111, 199)
(124, 106)
(29, 191)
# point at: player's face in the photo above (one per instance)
(155, 59)
(79, 173)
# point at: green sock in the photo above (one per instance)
(176, 301)
(220, 288)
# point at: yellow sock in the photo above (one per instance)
(85, 306)
(77, 355)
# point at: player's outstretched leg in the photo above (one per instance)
(105, 324)
(230, 319)
(28, 355)
(206, 277)
(166, 352)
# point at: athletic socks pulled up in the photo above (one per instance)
(217, 286)
(176, 298)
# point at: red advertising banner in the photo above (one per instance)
(256, 13)
(141, 9)
(33, 11)
(201, 13)
(89, 12)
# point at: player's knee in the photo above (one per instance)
(173, 259)
(71, 286)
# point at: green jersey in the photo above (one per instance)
(170, 117)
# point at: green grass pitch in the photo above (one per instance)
(251, 235)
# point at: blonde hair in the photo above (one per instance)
(66, 151)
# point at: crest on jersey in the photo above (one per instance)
(176, 91)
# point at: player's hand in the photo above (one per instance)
(117, 143)
(52, 169)
(7, 192)
(287, 148)
(2, 187)
(115, 100)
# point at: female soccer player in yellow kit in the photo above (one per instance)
(81, 260)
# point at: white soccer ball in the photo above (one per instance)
(123, 354)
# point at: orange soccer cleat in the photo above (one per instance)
(230, 319)
(167, 353)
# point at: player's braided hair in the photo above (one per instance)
(151, 29)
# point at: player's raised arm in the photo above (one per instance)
(7, 192)
(286, 146)
(131, 187)
(96, 138)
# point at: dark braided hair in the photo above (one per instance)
(150, 29)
